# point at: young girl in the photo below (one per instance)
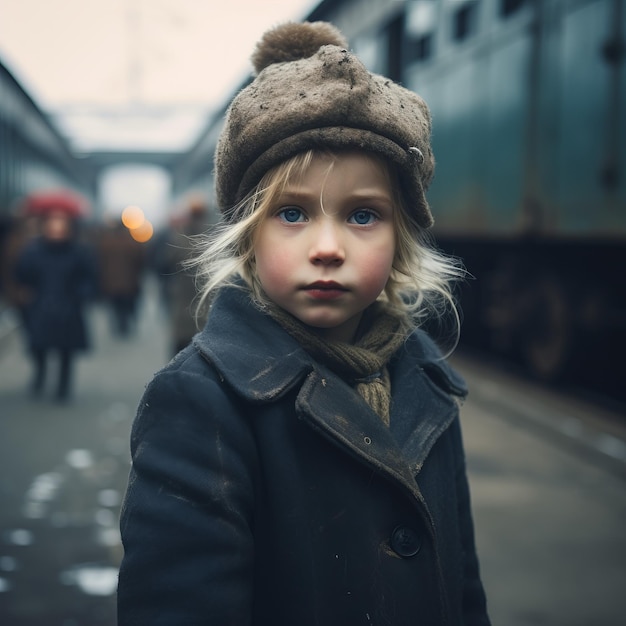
(301, 462)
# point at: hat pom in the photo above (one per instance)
(293, 41)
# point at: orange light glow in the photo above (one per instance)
(133, 217)
(142, 233)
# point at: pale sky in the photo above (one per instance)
(134, 73)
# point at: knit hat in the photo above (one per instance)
(310, 92)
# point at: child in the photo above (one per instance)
(301, 462)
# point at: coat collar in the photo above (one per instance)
(251, 352)
(261, 361)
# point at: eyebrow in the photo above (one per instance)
(365, 194)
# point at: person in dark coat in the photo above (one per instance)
(58, 277)
(301, 461)
(181, 282)
(121, 264)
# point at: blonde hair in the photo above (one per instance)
(421, 284)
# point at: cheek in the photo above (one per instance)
(376, 268)
(273, 265)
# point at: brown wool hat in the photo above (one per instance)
(311, 92)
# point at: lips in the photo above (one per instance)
(325, 290)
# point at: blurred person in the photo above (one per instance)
(24, 228)
(57, 275)
(156, 263)
(301, 462)
(181, 290)
(121, 263)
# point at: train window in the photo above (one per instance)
(464, 21)
(420, 16)
(509, 7)
(420, 24)
(419, 49)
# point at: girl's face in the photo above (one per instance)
(325, 247)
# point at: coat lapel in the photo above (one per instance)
(420, 413)
(340, 414)
(261, 362)
(251, 352)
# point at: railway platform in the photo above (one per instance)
(547, 471)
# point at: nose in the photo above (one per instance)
(327, 245)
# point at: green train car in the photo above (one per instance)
(529, 130)
(528, 99)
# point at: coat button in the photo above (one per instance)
(405, 541)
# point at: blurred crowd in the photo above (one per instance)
(55, 265)
(176, 246)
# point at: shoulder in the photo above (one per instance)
(190, 427)
(188, 373)
(182, 396)
(419, 350)
(34, 246)
(32, 253)
(256, 358)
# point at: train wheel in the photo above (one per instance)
(547, 337)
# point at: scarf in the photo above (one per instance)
(363, 365)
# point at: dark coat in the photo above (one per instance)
(121, 262)
(181, 282)
(265, 491)
(59, 279)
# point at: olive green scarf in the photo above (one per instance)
(363, 365)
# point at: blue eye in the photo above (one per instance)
(291, 214)
(362, 217)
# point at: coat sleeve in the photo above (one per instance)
(186, 519)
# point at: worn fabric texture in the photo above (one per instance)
(264, 489)
(326, 99)
(362, 364)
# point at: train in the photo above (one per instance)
(529, 110)
(529, 132)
